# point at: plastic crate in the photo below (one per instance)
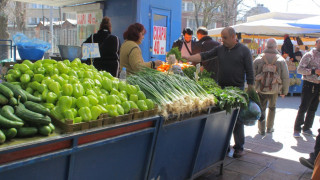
(30, 53)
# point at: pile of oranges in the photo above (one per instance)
(165, 66)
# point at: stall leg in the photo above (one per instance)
(221, 169)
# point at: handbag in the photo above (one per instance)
(90, 50)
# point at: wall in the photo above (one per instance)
(144, 16)
(122, 13)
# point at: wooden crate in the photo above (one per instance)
(69, 127)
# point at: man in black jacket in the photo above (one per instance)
(235, 65)
(206, 43)
(185, 44)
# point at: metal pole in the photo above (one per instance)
(51, 29)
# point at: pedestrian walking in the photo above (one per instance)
(309, 67)
(272, 77)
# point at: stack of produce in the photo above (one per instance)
(228, 98)
(165, 66)
(77, 91)
(173, 93)
(21, 114)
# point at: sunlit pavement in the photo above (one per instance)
(274, 156)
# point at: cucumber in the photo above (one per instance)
(52, 127)
(10, 133)
(13, 101)
(8, 112)
(2, 137)
(44, 130)
(6, 123)
(31, 97)
(27, 131)
(16, 91)
(38, 108)
(30, 116)
(3, 100)
(6, 91)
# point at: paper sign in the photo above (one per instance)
(90, 50)
(159, 40)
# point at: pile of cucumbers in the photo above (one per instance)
(21, 115)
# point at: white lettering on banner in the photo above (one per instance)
(159, 40)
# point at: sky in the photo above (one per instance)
(290, 6)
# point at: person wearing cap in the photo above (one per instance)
(185, 44)
(271, 54)
(206, 43)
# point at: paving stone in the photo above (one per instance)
(258, 159)
(287, 167)
(273, 174)
(227, 175)
(244, 167)
(307, 173)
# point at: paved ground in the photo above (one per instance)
(274, 156)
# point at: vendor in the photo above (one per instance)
(109, 46)
(130, 52)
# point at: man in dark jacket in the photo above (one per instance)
(206, 43)
(185, 44)
(235, 65)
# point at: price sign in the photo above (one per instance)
(90, 50)
(159, 40)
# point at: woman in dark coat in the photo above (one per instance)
(287, 47)
(109, 46)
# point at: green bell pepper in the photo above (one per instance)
(112, 110)
(83, 101)
(114, 92)
(97, 90)
(67, 89)
(115, 84)
(120, 109)
(88, 74)
(141, 95)
(77, 120)
(67, 62)
(73, 73)
(38, 77)
(122, 97)
(54, 87)
(103, 91)
(91, 92)
(103, 109)
(41, 87)
(102, 99)
(68, 114)
(15, 72)
(107, 84)
(85, 114)
(134, 98)
(95, 112)
(133, 105)
(73, 80)
(48, 105)
(51, 97)
(77, 90)
(65, 76)
(126, 107)
(142, 105)
(10, 78)
(23, 68)
(122, 86)
(93, 100)
(34, 85)
(25, 78)
(65, 102)
(131, 89)
(149, 103)
(111, 99)
(75, 63)
(62, 67)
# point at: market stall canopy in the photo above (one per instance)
(309, 23)
(60, 3)
(268, 27)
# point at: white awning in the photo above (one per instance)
(60, 3)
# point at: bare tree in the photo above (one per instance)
(224, 11)
(208, 9)
(20, 16)
(3, 20)
(229, 12)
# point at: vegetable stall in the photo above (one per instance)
(66, 120)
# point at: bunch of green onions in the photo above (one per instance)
(175, 94)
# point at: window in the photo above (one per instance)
(190, 6)
(193, 24)
(183, 6)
